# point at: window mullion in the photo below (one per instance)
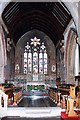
(38, 62)
(27, 62)
(32, 62)
(43, 62)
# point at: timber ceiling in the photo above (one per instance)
(49, 17)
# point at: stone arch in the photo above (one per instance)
(73, 8)
(70, 55)
(51, 50)
(2, 55)
(74, 12)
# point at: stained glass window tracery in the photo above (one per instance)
(35, 57)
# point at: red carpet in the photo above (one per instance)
(64, 116)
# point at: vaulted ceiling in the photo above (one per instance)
(49, 17)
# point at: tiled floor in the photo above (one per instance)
(33, 112)
(33, 107)
(23, 118)
(36, 101)
(18, 118)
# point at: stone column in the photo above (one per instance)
(76, 72)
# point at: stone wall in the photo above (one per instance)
(51, 51)
(70, 56)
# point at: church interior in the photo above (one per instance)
(39, 60)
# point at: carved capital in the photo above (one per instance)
(78, 40)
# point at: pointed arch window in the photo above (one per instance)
(35, 57)
(35, 61)
(45, 62)
(40, 62)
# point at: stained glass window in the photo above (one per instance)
(45, 62)
(35, 57)
(29, 61)
(35, 62)
(25, 62)
(40, 62)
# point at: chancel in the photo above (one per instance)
(39, 60)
